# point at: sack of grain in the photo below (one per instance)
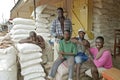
(39, 9)
(41, 25)
(44, 34)
(39, 30)
(25, 27)
(28, 48)
(43, 15)
(2, 51)
(39, 78)
(31, 56)
(7, 60)
(19, 36)
(23, 21)
(10, 74)
(21, 31)
(11, 50)
(50, 12)
(32, 69)
(34, 75)
(42, 20)
(30, 63)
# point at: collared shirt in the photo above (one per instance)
(67, 47)
(56, 27)
(104, 61)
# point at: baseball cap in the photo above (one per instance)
(81, 30)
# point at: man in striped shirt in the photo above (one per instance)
(60, 24)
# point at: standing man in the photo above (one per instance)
(67, 51)
(59, 25)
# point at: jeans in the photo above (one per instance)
(70, 61)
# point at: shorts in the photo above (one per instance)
(81, 57)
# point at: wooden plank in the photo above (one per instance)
(111, 74)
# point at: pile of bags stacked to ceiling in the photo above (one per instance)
(21, 28)
(30, 61)
(8, 63)
(45, 14)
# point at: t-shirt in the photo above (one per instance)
(104, 61)
(67, 47)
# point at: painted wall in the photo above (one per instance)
(106, 18)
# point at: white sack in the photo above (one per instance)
(42, 20)
(39, 78)
(43, 15)
(42, 25)
(40, 30)
(23, 21)
(34, 75)
(28, 48)
(31, 56)
(32, 69)
(21, 31)
(30, 63)
(19, 36)
(44, 34)
(10, 74)
(25, 27)
(6, 61)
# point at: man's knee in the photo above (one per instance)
(94, 69)
(70, 61)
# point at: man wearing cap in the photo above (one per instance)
(83, 56)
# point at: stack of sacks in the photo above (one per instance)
(21, 28)
(30, 59)
(8, 64)
(45, 14)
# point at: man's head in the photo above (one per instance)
(67, 35)
(60, 12)
(86, 43)
(81, 33)
(99, 42)
(33, 35)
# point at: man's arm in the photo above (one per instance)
(53, 28)
(25, 41)
(70, 26)
(103, 59)
(41, 42)
(99, 54)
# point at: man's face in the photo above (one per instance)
(81, 34)
(99, 43)
(33, 36)
(66, 35)
(60, 13)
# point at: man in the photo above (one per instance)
(35, 39)
(60, 24)
(101, 56)
(67, 50)
(57, 28)
(83, 55)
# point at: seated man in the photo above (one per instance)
(101, 56)
(35, 39)
(67, 50)
(83, 55)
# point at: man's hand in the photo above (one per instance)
(59, 37)
(74, 40)
(61, 54)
